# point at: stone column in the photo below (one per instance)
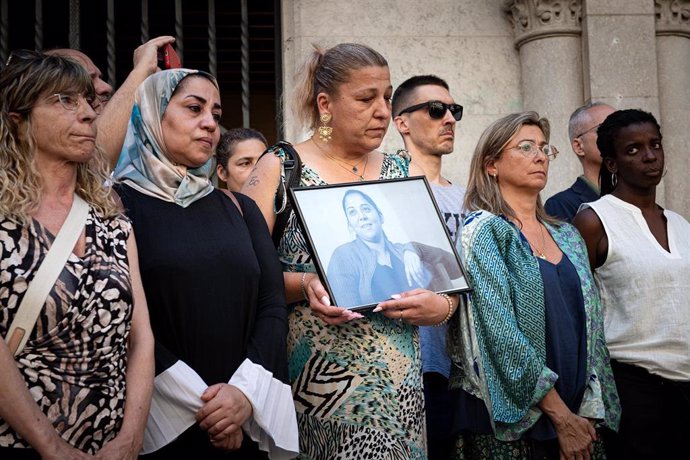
(619, 56)
(673, 58)
(548, 37)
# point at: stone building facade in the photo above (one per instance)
(502, 56)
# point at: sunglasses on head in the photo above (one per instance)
(437, 109)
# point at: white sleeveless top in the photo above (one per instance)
(645, 290)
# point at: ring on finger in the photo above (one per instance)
(400, 318)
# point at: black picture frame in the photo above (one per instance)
(386, 235)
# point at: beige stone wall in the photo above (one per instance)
(500, 56)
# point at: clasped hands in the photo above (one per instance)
(224, 412)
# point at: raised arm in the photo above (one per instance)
(112, 122)
(262, 185)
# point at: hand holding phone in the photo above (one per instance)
(170, 58)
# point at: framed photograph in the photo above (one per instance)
(373, 239)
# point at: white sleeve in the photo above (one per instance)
(273, 424)
(176, 399)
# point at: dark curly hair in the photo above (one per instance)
(608, 133)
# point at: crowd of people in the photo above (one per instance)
(147, 312)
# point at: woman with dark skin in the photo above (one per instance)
(640, 256)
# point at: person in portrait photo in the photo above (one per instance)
(371, 268)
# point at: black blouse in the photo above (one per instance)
(213, 283)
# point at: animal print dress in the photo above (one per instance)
(357, 386)
(75, 360)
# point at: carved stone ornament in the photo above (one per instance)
(535, 19)
(672, 17)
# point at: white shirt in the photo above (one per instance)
(645, 290)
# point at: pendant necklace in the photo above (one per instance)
(352, 169)
(537, 252)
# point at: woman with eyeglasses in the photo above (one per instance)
(529, 348)
(640, 255)
(81, 385)
(356, 377)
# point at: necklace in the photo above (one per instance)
(539, 253)
(352, 169)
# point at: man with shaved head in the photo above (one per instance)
(582, 130)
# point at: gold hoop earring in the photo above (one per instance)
(325, 131)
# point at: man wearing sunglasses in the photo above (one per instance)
(582, 130)
(115, 109)
(425, 115)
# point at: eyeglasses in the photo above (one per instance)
(530, 149)
(589, 130)
(437, 109)
(71, 101)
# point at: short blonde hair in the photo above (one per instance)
(22, 83)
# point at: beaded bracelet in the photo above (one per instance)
(301, 286)
(450, 309)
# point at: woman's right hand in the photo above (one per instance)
(320, 303)
(575, 437)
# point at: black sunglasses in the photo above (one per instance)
(437, 109)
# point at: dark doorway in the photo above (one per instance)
(50, 27)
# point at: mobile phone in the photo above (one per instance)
(170, 58)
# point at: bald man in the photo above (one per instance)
(115, 109)
(582, 130)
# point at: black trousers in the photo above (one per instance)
(655, 422)
(439, 405)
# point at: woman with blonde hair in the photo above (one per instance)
(356, 379)
(82, 382)
(529, 348)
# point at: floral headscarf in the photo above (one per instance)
(144, 164)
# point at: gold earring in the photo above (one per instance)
(325, 131)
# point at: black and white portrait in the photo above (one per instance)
(377, 239)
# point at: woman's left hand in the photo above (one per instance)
(225, 410)
(420, 307)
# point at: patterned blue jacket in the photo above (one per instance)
(497, 342)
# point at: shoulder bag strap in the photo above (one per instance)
(233, 198)
(46, 276)
(292, 165)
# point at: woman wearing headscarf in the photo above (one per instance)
(212, 278)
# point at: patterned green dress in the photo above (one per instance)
(357, 386)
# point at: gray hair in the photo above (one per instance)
(579, 119)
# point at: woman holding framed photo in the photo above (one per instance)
(529, 348)
(356, 384)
